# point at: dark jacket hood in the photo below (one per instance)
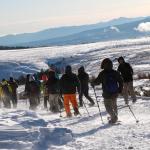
(107, 64)
(68, 70)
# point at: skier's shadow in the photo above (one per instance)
(87, 118)
(90, 132)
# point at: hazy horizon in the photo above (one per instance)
(25, 16)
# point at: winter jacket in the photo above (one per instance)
(5, 88)
(126, 72)
(84, 79)
(102, 79)
(34, 89)
(13, 86)
(27, 87)
(69, 82)
(53, 86)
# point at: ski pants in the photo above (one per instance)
(53, 101)
(33, 102)
(128, 90)
(6, 101)
(86, 94)
(111, 106)
(14, 99)
(46, 98)
(72, 99)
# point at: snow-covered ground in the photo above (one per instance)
(41, 130)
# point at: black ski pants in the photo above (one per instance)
(86, 94)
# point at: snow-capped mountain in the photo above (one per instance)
(112, 32)
(51, 35)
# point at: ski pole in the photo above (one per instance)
(60, 107)
(86, 109)
(133, 114)
(98, 105)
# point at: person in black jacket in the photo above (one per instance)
(33, 93)
(13, 85)
(53, 91)
(126, 71)
(111, 85)
(27, 87)
(69, 83)
(84, 80)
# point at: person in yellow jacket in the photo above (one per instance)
(5, 92)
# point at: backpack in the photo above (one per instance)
(111, 84)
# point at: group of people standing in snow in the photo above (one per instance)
(60, 91)
(115, 83)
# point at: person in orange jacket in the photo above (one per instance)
(69, 82)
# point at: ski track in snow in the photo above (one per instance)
(41, 130)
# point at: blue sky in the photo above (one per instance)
(19, 16)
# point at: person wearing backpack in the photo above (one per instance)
(126, 72)
(13, 85)
(69, 82)
(84, 80)
(5, 93)
(111, 85)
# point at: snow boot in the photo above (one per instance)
(76, 111)
(113, 120)
(69, 115)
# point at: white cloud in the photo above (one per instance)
(115, 29)
(143, 27)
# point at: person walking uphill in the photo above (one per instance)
(84, 79)
(111, 85)
(69, 82)
(127, 74)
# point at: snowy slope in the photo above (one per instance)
(17, 62)
(41, 130)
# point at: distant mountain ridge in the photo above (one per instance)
(118, 32)
(28, 39)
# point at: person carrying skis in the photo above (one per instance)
(53, 91)
(14, 86)
(84, 79)
(111, 85)
(69, 82)
(5, 93)
(126, 72)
